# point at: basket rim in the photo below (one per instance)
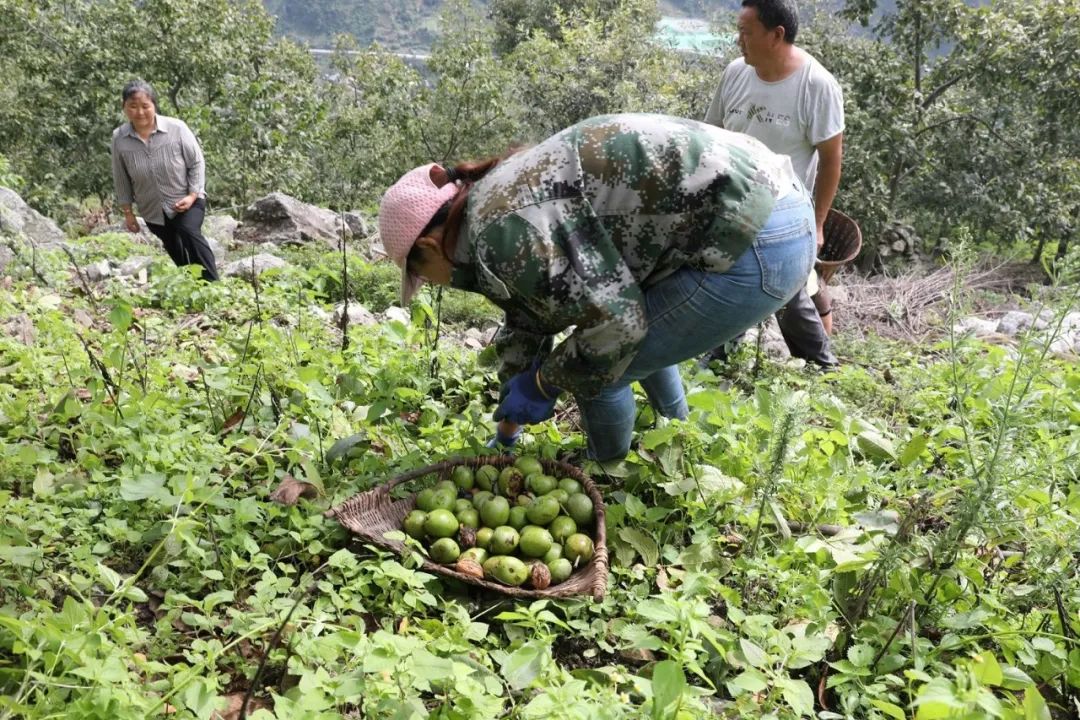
(588, 580)
(845, 219)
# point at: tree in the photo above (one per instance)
(517, 20)
(958, 115)
(391, 117)
(607, 62)
(250, 99)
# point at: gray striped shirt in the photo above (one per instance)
(158, 172)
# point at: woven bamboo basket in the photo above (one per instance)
(843, 240)
(372, 514)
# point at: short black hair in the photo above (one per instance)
(777, 13)
(137, 86)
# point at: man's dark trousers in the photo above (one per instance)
(183, 239)
(803, 332)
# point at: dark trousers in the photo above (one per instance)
(183, 239)
(803, 332)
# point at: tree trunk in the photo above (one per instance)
(1066, 235)
(1037, 257)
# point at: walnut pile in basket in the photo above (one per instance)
(524, 527)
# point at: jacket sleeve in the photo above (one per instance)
(193, 158)
(125, 195)
(517, 347)
(557, 262)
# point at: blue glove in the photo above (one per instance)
(504, 442)
(526, 402)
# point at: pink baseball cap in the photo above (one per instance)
(406, 209)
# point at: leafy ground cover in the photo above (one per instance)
(896, 539)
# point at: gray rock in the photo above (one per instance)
(772, 343)
(1067, 343)
(1015, 322)
(18, 218)
(319, 314)
(358, 315)
(398, 313)
(299, 431)
(357, 223)
(1071, 323)
(281, 219)
(251, 267)
(838, 293)
(83, 318)
(133, 265)
(979, 327)
(21, 327)
(473, 339)
(96, 272)
(218, 249)
(220, 228)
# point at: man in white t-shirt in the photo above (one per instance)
(781, 95)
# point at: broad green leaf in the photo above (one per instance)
(20, 555)
(642, 543)
(120, 316)
(1013, 678)
(887, 520)
(657, 611)
(750, 680)
(638, 636)
(1045, 644)
(986, 669)
(427, 666)
(142, 487)
(798, 695)
(658, 436)
(523, 666)
(342, 446)
(893, 711)
(1035, 707)
(109, 577)
(913, 449)
(343, 558)
(937, 699)
(875, 446)
(861, 655)
(668, 684)
(634, 507)
(134, 594)
(754, 655)
(199, 698)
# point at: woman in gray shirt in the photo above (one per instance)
(157, 164)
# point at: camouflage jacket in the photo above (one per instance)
(572, 231)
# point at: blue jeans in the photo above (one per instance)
(690, 312)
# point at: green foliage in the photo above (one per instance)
(957, 115)
(143, 563)
(926, 142)
(517, 20)
(602, 62)
(252, 101)
(8, 178)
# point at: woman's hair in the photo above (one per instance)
(452, 214)
(137, 86)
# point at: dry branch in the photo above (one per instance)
(912, 305)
